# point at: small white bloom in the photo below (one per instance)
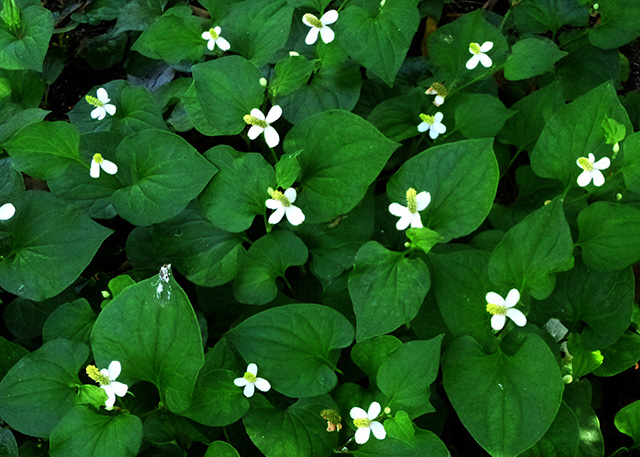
(102, 105)
(439, 91)
(433, 124)
(409, 215)
(213, 37)
(592, 170)
(250, 381)
(282, 204)
(293, 54)
(320, 26)
(7, 211)
(479, 55)
(99, 162)
(366, 424)
(501, 308)
(107, 380)
(263, 82)
(260, 124)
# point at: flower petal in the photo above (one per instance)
(102, 95)
(271, 137)
(276, 216)
(398, 210)
(109, 108)
(98, 113)
(437, 118)
(111, 396)
(312, 36)
(305, 22)
(274, 114)
(439, 127)
(497, 321)
(422, 200)
(494, 298)
(249, 389)
(263, 384)
(404, 221)
(598, 177)
(255, 112)
(252, 368)
(223, 44)
(591, 157)
(513, 297)
(485, 60)
(94, 172)
(486, 46)
(119, 388)
(114, 370)
(362, 435)
(517, 316)
(423, 127)
(295, 216)
(240, 382)
(273, 204)
(378, 430)
(211, 44)
(217, 29)
(374, 410)
(329, 17)
(109, 167)
(7, 211)
(254, 131)
(357, 413)
(439, 100)
(584, 179)
(472, 62)
(416, 221)
(602, 164)
(206, 35)
(327, 35)
(433, 133)
(291, 194)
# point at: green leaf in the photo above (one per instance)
(378, 37)
(613, 131)
(83, 432)
(257, 29)
(406, 374)
(298, 431)
(44, 150)
(532, 114)
(462, 178)
(11, 124)
(449, 47)
(583, 360)
(341, 156)
(206, 255)
(238, 192)
(486, 390)
(10, 354)
(561, 439)
(8, 443)
(400, 427)
(631, 169)
(51, 244)
(386, 289)
(617, 25)
(627, 421)
(574, 132)
(266, 260)
(532, 251)
(167, 353)
(287, 170)
(531, 57)
(291, 74)
(319, 5)
(478, 115)
(296, 347)
(223, 92)
(165, 173)
(577, 396)
(608, 236)
(537, 16)
(221, 449)
(72, 321)
(174, 37)
(398, 117)
(216, 401)
(424, 239)
(371, 353)
(424, 443)
(596, 304)
(335, 84)
(139, 14)
(40, 389)
(621, 355)
(27, 51)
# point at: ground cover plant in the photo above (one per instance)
(307, 227)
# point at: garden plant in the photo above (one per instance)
(295, 228)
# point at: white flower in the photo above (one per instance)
(102, 105)
(107, 380)
(433, 124)
(439, 91)
(479, 55)
(320, 26)
(592, 170)
(282, 204)
(99, 162)
(409, 215)
(7, 211)
(366, 424)
(213, 37)
(250, 381)
(501, 308)
(260, 124)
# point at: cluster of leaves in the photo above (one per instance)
(342, 309)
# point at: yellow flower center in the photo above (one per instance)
(363, 422)
(494, 309)
(252, 120)
(585, 163)
(94, 373)
(97, 158)
(93, 101)
(314, 21)
(282, 198)
(250, 377)
(214, 35)
(427, 119)
(412, 204)
(475, 48)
